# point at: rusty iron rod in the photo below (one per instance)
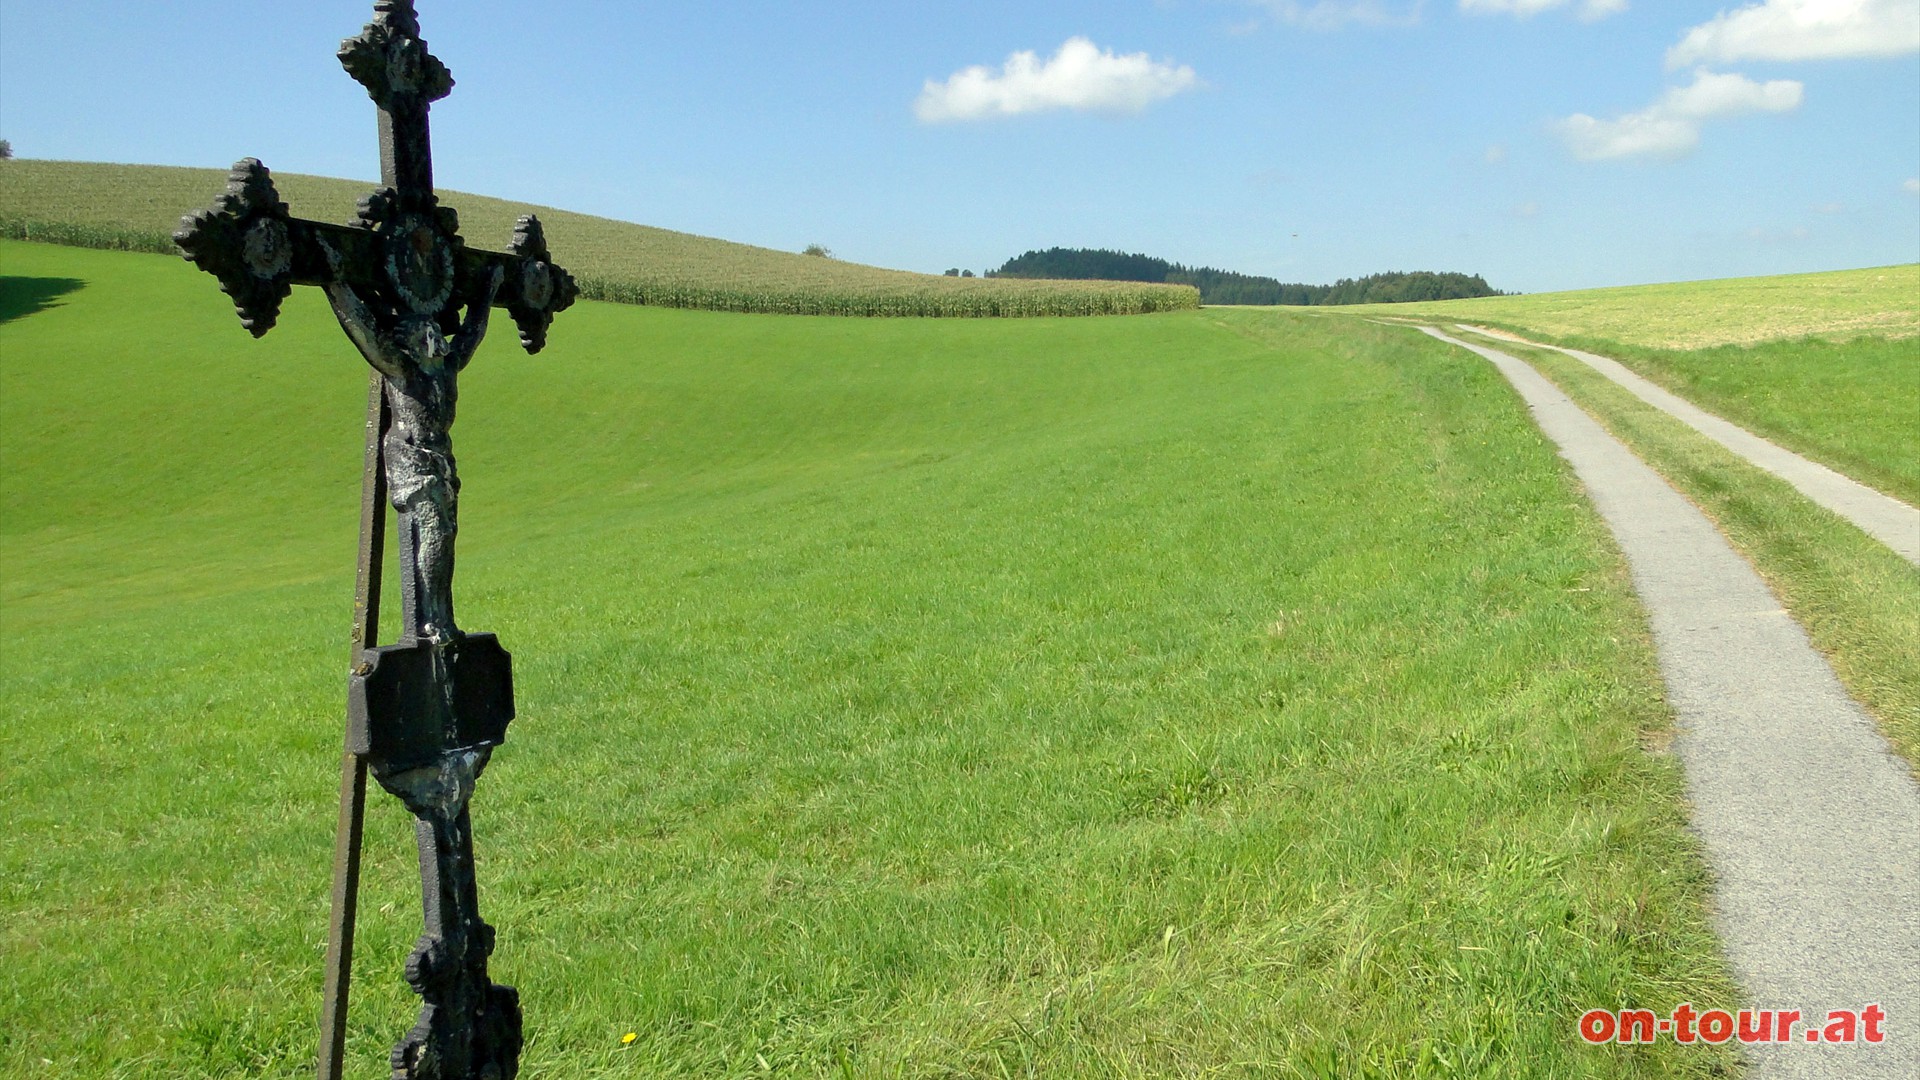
(353, 767)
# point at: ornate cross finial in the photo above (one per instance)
(391, 61)
(403, 79)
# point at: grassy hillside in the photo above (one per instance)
(1839, 306)
(137, 207)
(1825, 364)
(1228, 693)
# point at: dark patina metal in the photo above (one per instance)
(424, 713)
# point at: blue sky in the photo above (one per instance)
(1305, 139)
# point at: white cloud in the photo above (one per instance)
(1670, 127)
(1713, 96)
(1589, 9)
(1495, 155)
(1080, 76)
(1912, 187)
(1802, 30)
(1636, 134)
(1333, 14)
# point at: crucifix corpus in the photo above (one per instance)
(425, 712)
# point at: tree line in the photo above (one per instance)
(1227, 287)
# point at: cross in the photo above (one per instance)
(424, 713)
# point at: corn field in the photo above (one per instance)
(87, 235)
(137, 207)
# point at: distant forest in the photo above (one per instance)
(1227, 287)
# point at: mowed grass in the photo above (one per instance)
(1827, 365)
(1225, 694)
(137, 207)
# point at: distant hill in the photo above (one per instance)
(1227, 287)
(137, 207)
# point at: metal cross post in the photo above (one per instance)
(424, 713)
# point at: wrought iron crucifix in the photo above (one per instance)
(424, 713)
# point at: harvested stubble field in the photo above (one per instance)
(1211, 693)
(137, 207)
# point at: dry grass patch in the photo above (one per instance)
(1880, 302)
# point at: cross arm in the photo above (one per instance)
(399, 260)
(258, 250)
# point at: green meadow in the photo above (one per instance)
(1224, 693)
(1854, 405)
(1827, 365)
